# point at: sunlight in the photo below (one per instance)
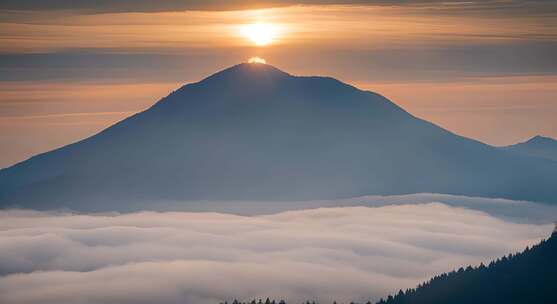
(260, 33)
(257, 60)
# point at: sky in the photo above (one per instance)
(68, 69)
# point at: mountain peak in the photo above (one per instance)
(538, 139)
(254, 132)
(537, 146)
(253, 71)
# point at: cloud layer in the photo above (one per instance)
(103, 6)
(508, 210)
(352, 253)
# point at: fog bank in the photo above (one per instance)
(343, 254)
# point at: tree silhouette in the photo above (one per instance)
(527, 277)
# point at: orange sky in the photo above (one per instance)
(66, 74)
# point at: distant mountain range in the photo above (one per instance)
(538, 146)
(254, 132)
(528, 277)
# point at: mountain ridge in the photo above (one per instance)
(537, 146)
(255, 132)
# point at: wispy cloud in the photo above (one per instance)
(490, 6)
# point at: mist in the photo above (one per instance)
(325, 254)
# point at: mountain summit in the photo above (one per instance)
(255, 132)
(537, 146)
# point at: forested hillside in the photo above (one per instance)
(527, 277)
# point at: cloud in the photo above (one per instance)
(508, 210)
(351, 253)
(103, 6)
(448, 63)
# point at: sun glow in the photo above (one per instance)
(257, 60)
(260, 33)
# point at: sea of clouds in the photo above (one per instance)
(510, 210)
(324, 254)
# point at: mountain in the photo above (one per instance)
(528, 277)
(538, 146)
(254, 132)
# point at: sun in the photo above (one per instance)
(260, 33)
(257, 60)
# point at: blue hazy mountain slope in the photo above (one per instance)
(255, 132)
(538, 146)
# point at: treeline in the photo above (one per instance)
(269, 301)
(260, 301)
(526, 277)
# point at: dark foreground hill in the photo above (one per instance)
(528, 277)
(253, 132)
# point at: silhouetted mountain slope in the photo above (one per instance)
(528, 277)
(538, 146)
(255, 132)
